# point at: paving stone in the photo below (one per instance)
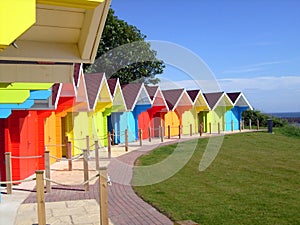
(68, 211)
(82, 219)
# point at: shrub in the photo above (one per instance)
(263, 118)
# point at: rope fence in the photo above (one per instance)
(110, 136)
(103, 180)
(17, 181)
(72, 185)
(26, 157)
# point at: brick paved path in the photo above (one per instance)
(125, 207)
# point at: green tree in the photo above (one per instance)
(124, 53)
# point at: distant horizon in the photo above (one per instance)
(284, 113)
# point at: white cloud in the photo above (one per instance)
(252, 67)
(284, 83)
(268, 94)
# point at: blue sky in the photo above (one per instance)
(250, 45)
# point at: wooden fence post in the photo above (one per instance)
(191, 130)
(232, 124)
(103, 192)
(169, 131)
(179, 132)
(97, 154)
(243, 124)
(257, 122)
(40, 197)
(47, 171)
(210, 128)
(250, 124)
(149, 133)
(126, 140)
(141, 137)
(219, 130)
(85, 169)
(69, 155)
(108, 145)
(201, 129)
(66, 145)
(113, 136)
(88, 145)
(161, 128)
(8, 172)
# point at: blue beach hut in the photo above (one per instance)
(234, 116)
(137, 101)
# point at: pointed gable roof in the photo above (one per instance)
(239, 99)
(93, 85)
(132, 92)
(234, 96)
(172, 97)
(214, 99)
(112, 84)
(56, 89)
(77, 67)
(115, 89)
(70, 89)
(157, 97)
(81, 101)
(152, 91)
(198, 99)
(193, 94)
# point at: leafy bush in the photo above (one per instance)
(255, 115)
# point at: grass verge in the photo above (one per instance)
(253, 180)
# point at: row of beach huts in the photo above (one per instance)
(41, 116)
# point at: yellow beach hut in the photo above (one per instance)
(219, 104)
(197, 114)
(178, 102)
(100, 103)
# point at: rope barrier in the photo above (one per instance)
(92, 145)
(64, 159)
(27, 157)
(81, 149)
(77, 139)
(17, 181)
(118, 135)
(70, 185)
(61, 145)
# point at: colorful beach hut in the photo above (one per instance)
(23, 136)
(137, 101)
(100, 104)
(219, 104)
(178, 102)
(53, 135)
(119, 105)
(77, 118)
(197, 115)
(67, 94)
(234, 116)
(151, 120)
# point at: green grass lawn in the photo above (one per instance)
(255, 179)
